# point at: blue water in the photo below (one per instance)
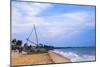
(78, 53)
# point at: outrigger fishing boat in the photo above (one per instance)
(38, 48)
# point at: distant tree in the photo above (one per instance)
(19, 43)
(49, 47)
(13, 41)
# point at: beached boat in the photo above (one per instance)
(38, 46)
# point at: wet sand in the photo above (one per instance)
(57, 58)
(40, 58)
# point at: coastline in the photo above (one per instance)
(35, 59)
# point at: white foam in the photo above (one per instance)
(75, 57)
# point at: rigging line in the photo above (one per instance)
(32, 42)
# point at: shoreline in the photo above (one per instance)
(36, 59)
(58, 58)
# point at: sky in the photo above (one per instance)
(60, 25)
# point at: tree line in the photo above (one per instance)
(17, 45)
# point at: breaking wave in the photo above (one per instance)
(74, 57)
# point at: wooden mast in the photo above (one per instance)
(36, 34)
(29, 35)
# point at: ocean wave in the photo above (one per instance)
(76, 57)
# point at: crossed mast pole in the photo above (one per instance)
(34, 28)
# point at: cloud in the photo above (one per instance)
(24, 15)
(29, 8)
(68, 23)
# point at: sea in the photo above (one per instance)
(78, 54)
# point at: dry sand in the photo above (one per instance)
(40, 58)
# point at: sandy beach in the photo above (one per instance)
(40, 58)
